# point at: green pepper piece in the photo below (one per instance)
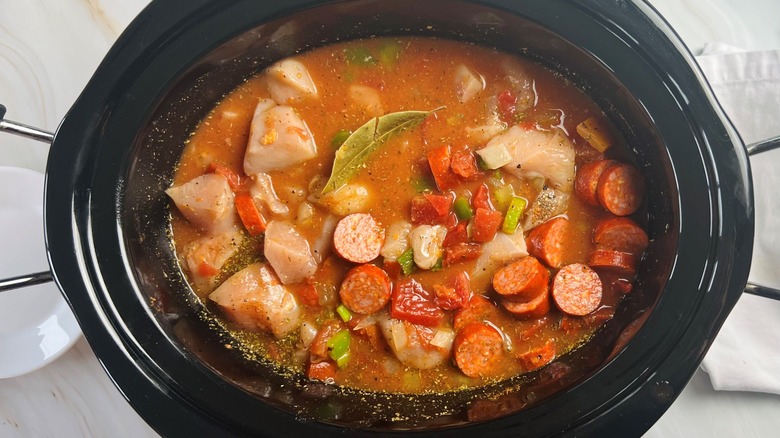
(344, 313)
(462, 208)
(438, 266)
(406, 260)
(359, 55)
(389, 52)
(423, 184)
(340, 138)
(513, 213)
(338, 347)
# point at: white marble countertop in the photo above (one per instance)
(48, 51)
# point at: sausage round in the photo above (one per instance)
(546, 241)
(537, 357)
(577, 290)
(616, 262)
(621, 234)
(621, 189)
(477, 309)
(534, 308)
(358, 238)
(587, 180)
(478, 348)
(366, 289)
(521, 280)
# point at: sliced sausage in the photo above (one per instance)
(621, 189)
(547, 241)
(366, 289)
(358, 238)
(478, 348)
(537, 357)
(522, 280)
(478, 309)
(621, 234)
(534, 308)
(577, 290)
(588, 180)
(616, 262)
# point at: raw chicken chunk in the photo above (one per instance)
(289, 80)
(496, 253)
(288, 252)
(367, 98)
(535, 153)
(411, 343)
(206, 256)
(254, 299)
(263, 193)
(278, 139)
(206, 201)
(467, 83)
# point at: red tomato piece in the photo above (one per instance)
(441, 203)
(461, 252)
(486, 224)
(324, 371)
(232, 177)
(507, 106)
(411, 302)
(439, 160)
(456, 294)
(456, 235)
(481, 198)
(206, 270)
(464, 164)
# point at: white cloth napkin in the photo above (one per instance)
(746, 353)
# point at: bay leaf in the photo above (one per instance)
(358, 147)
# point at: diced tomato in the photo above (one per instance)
(439, 160)
(460, 253)
(233, 178)
(206, 270)
(457, 234)
(393, 269)
(324, 371)
(464, 164)
(424, 212)
(411, 302)
(456, 294)
(250, 216)
(441, 203)
(486, 224)
(307, 293)
(481, 198)
(507, 106)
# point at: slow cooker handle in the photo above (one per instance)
(753, 149)
(46, 137)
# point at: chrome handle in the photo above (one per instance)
(24, 130)
(25, 281)
(753, 149)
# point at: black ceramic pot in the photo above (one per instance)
(107, 223)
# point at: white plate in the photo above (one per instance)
(36, 324)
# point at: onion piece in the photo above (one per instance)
(366, 321)
(443, 338)
(398, 332)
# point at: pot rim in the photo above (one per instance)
(73, 203)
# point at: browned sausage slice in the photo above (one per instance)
(358, 238)
(616, 262)
(478, 348)
(621, 234)
(536, 307)
(546, 241)
(478, 309)
(577, 289)
(537, 357)
(588, 180)
(521, 280)
(621, 189)
(366, 289)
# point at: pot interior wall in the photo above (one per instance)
(195, 90)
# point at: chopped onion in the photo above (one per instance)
(443, 339)
(366, 321)
(307, 333)
(495, 155)
(400, 338)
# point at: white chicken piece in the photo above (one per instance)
(367, 98)
(351, 198)
(467, 83)
(263, 193)
(535, 153)
(278, 139)
(396, 240)
(522, 84)
(288, 252)
(427, 241)
(411, 343)
(255, 300)
(289, 80)
(207, 255)
(207, 201)
(496, 253)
